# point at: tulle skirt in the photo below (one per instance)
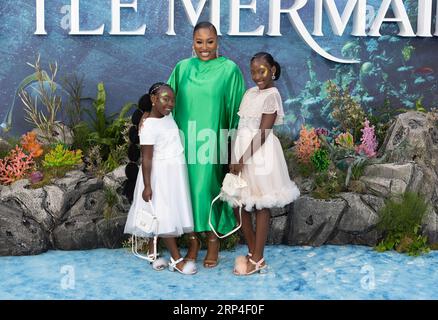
(266, 174)
(170, 198)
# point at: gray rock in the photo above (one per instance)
(110, 232)
(418, 181)
(54, 201)
(116, 178)
(66, 192)
(71, 180)
(411, 138)
(278, 230)
(278, 212)
(414, 137)
(374, 202)
(388, 179)
(391, 171)
(79, 233)
(370, 238)
(430, 226)
(61, 133)
(20, 235)
(359, 217)
(67, 215)
(358, 222)
(79, 230)
(29, 201)
(313, 221)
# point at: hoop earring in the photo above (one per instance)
(194, 55)
(217, 52)
(273, 77)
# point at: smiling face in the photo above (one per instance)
(164, 101)
(262, 73)
(205, 44)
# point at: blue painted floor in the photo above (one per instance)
(328, 272)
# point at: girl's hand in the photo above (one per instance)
(147, 193)
(236, 168)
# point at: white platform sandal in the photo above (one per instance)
(189, 267)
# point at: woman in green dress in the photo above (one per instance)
(209, 89)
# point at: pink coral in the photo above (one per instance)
(15, 166)
(369, 141)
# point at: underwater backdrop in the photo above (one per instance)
(395, 73)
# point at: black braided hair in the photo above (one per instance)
(271, 61)
(134, 154)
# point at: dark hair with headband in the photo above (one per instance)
(145, 102)
(270, 60)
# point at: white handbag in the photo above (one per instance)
(231, 189)
(145, 223)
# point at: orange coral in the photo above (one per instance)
(307, 144)
(31, 145)
(17, 165)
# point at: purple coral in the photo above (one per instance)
(322, 132)
(36, 177)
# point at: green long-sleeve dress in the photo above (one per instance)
(208, 96)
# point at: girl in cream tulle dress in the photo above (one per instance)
(260, 161)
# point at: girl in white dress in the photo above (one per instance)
(163, 177)
(258, 157)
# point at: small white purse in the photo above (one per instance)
(146, 221)
(231, 189)
(145, 224)
(232, 186)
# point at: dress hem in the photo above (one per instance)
(276, 199)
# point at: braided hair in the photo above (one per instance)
(131, 171)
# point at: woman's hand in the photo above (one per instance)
(147, 193)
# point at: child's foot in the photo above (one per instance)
(151, 246)
(251, 265)
(194, 247)
(182, 266)
(159, 264)
(244, 266)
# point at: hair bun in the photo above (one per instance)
(278, 70)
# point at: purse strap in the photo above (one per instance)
(238, 203)
(134, 247)
(156, 230)
(240, 218)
